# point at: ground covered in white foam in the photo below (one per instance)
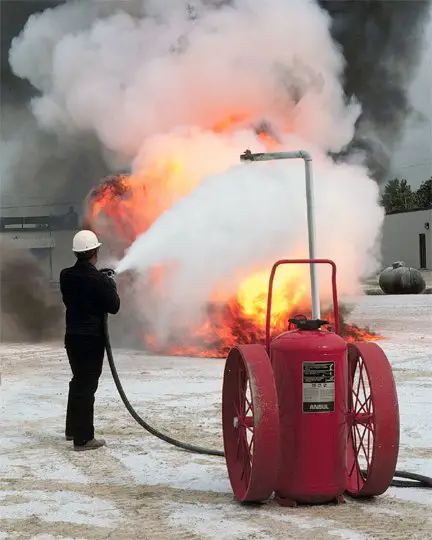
(139, 487)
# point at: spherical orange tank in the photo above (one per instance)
(311, 374)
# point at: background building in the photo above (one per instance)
(407, 236)
(46, 231)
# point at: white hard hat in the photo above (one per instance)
(85, 241)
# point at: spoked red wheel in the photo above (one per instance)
(373, 443)
(250, 419)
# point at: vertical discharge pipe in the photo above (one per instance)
(310, 205)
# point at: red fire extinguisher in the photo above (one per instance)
(311, 374)
(310, 367)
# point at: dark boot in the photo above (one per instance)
(93, 444)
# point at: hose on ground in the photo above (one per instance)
(137, 417)
(412, 479)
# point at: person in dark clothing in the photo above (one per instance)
(88, 295)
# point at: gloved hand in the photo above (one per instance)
(110, 274)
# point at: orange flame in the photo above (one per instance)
(228, 122)
(126, 205)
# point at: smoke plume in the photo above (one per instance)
(380, 41)
(30, 310)
(382, 44)
(190, 70)
(144, 80)
(158, 87)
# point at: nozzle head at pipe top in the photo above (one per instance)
(248, 156)
(308, 324)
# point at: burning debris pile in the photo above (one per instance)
(228, 325)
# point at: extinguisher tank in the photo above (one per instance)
(311, 372)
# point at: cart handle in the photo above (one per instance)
(301, 261)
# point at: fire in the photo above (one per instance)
(117, 200)
(289, 292)
(131, 203)
(228, 324)
(228, 122)
(125, 206)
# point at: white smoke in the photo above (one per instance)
(120, 77)
(153, 77)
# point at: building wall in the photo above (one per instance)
(400, 238)
(52, 249)
(62, 255)
(38, 243)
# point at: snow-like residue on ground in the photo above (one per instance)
(195, 517)
(212, 521)
(139, 483)
(59, 506)
(152, 468)
(329, 525)
(421, 496)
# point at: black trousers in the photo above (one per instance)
(85, 355)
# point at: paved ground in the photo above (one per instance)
(139, 487)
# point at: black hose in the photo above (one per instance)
(417, 480)
(137, 417)
(414, 480)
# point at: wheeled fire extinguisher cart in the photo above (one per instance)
(308, 416)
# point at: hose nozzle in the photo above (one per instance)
(109, 272)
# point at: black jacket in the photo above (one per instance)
(88, 295)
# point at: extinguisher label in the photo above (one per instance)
(318, 386)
